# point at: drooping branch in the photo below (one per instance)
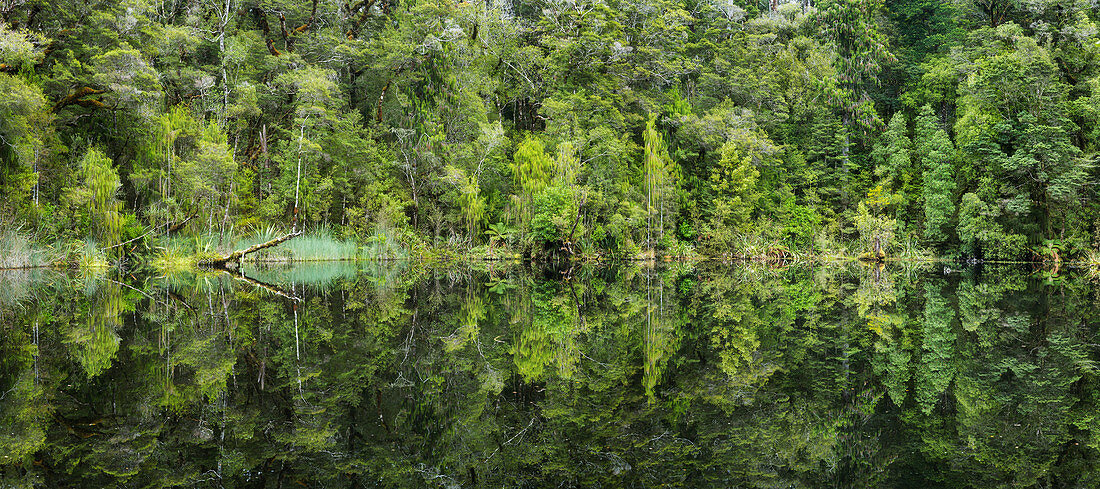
(236, 256)
(77, 98)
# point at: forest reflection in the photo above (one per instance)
(694, 375)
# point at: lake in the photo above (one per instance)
(689, 375)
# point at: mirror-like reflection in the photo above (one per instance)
(391, 375)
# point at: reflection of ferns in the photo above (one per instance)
(95, 343)
(550, 337)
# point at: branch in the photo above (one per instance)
(130, 241)
(179, 225)
(312, 17)
(236, 256)
(77, 98)
(365, 6)
(261, 19)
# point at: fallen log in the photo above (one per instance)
(179, 225)
(236, 256)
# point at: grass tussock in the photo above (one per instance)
(385, 245)
(18, 250)
(313, 245)
(320, 245)
(173, 259)
(89, 256)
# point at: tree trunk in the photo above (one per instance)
(221, 58)
(298, 180)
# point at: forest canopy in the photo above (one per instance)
(621, 128)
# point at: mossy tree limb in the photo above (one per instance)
(236, 256)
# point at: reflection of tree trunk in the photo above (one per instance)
(237, 274)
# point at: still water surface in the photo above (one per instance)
(345, 375)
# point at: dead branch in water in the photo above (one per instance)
(236, 256)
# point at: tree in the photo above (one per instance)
(1013, 117)
(531, 173)
(733, 185)
(25, 126)
(862, 49)
(660, 180)
(895, 170)
(876, 229)
(129, 79)
(95, 198)
(980, 233)
(937, 158)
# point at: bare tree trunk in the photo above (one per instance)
(221, 50)
(298, 180)
(36, 177)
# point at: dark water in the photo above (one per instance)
(624, 376)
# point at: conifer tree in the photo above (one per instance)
(937, 154)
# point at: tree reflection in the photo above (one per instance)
(617, 376)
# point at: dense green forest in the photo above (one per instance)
(618, 128)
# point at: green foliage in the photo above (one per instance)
(733, 182)
(938, 190)
(876, 229)
(95, 198)
(418, 125)
(531, 173)
(25, 126)
(553, 214)
(980, 233)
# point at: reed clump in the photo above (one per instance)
(18, 250)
